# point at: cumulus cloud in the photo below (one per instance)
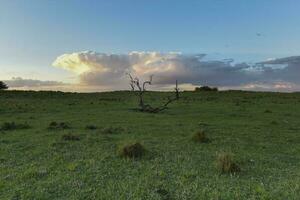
(283, 69)
(109, 70)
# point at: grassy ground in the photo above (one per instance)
(262, 130)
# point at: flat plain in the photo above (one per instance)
(56, 145)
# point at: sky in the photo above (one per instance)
(90, 45)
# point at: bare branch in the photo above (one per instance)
(135, 82)
(177, 90)
(132, 85)
(147, 82)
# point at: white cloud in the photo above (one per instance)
(109, 70)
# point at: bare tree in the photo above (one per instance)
(140, 87)
(176, 90)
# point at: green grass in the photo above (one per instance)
(261, 130)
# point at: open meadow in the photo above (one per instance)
(56, 145)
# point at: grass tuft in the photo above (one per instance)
(6, 126)
(164, 194)
(226, 164)
(200, 137)
(56, 126)
(112, 130)
(70, 137)
(268, 111)
(131, 150)
(90, 127)
(274, 122)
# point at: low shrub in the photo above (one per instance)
(226, 164)
(131, 150)
(56, 125)
(200, 137)
(6, 126)
(70, 137)
(206, 88)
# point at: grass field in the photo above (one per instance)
(261, 130)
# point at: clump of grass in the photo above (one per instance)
(6, 126)
(274, 122)
(164, 194)
(268, 111)
(203, 124)
(112, 130)
(226, 164)
(200, 137)
(91, 127)
(131, 150)
(55, 125)
(70, 137)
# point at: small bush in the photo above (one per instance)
(132, 150)
(70, 137)
(91, 127)
(206, 88)
(225, 163)
(6, 126)
(61, 125)
(200, 137)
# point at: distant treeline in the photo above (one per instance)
(3, 86)
(206, 88)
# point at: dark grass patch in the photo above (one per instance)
(164, 194)
(58, 144)
(226, 164)
(7, 126)
(91, 127)
(58, 126)
(70, 137)
(3, 141)
(131, 150)
(268, 111)
(274, 123)
(200, 137)
(203, 124)
(112, 130)
(35, 174)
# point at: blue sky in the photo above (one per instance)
(33, 33)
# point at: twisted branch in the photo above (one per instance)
(135, 83)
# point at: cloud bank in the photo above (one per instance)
(31, 84)
(109, 70)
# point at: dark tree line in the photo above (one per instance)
(3, 86)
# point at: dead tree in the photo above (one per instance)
(140, 87)
(176, 90)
